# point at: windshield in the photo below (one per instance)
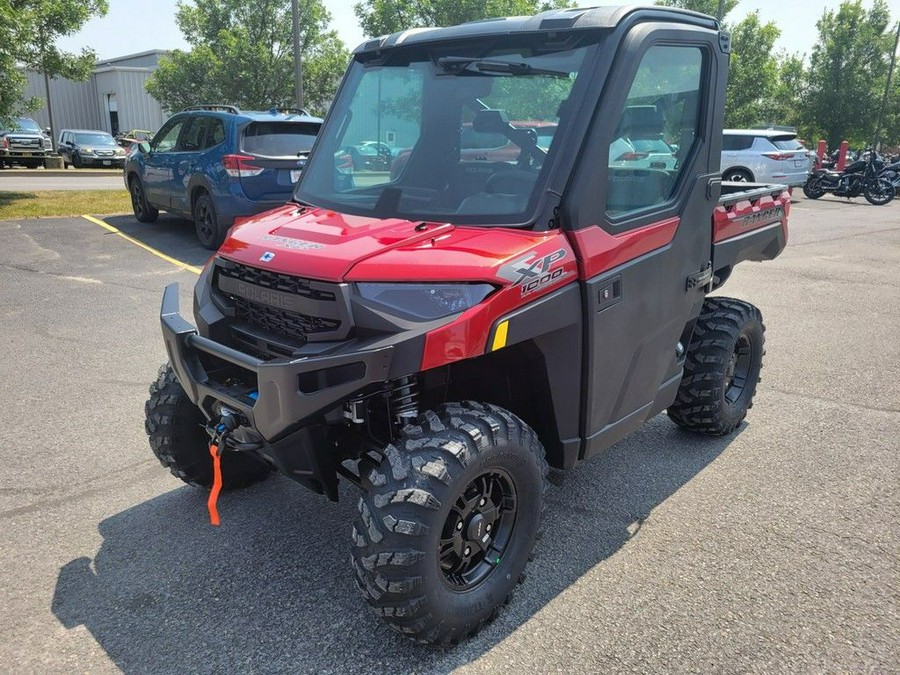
(25, 124)
(460, 135)
(94, 139)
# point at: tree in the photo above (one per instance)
(752, 71)
(36, 25)
(381, 17)
(847, 72)
(242, 54)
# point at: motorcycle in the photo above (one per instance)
(861, 177)
(891, 173)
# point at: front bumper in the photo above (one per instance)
(276, 397)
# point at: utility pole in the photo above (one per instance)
(721, 10)
(887, 89)
(298, 65)
(43, 47)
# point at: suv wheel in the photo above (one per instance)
(721, 369)
(448, 520)
(76, 161)
(142, 210)
(180, 442)
(206, 222)
(737, 176)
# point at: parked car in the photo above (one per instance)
(639, 140)
(370, 156)
(216, 163)
(764, 156)
(128, 138)
(87, 147)
(24, 143)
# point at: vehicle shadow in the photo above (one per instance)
(171, 235)
(272, 590)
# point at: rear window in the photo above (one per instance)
(789, 143)
(279, 139)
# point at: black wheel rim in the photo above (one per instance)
(206, 223)
(137, 198)
(738, 374)
(478, 530)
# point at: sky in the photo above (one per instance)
(130, 26)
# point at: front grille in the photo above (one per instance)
(276, 282)
(277, 313)
(290, 324)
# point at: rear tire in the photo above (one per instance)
(467, 473)
(180, 442)
(812, 188)
(139, 205)
(737, 176)
(721, 369)
(879, 192)
(206, 222)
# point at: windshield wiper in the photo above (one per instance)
(459, 65)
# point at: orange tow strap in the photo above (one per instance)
(217, 484)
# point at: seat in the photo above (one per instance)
(505, 192)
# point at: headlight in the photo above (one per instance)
(87, 151)
(120, 152)
(425, 301)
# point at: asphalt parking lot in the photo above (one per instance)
(774, 550)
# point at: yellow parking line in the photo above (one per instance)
(150, 249)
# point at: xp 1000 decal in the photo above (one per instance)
(532, 272)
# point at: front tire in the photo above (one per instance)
(879, 192)
(721, 369)
(178, 439)
(139, 205)
(448, 520)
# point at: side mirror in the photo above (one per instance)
(47, 130)
(144, 148)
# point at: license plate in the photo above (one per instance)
(106, 162)
(27, 154)
(295, 175)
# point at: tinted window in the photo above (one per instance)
(216, 132)
(788, 144)
(279, 139)
(165, 140)
(734, 143)
(663, 104)
(192, 138)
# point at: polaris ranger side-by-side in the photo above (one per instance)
(439, 333)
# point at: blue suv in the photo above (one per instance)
(214, 163)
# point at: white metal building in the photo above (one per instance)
(112, 99)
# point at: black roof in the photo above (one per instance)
(554, 20)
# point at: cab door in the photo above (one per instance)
(643, 235)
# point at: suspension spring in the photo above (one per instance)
(404, 399)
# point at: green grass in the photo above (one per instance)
(44, 203)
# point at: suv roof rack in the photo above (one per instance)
(216, 107)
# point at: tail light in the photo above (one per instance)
(344, 162)
(778, 156)
(632, 156)
(239, 166)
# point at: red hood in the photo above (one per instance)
(330, 246)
